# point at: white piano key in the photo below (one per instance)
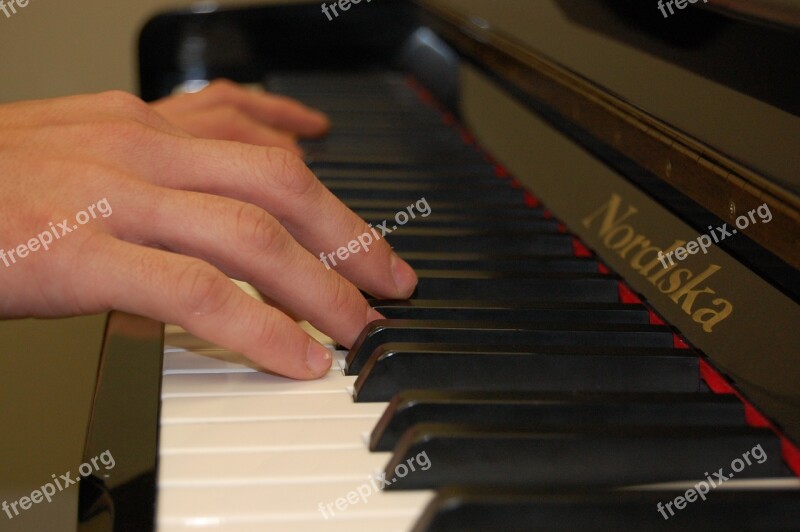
(243, 450)
(276, 505)
(265, 436)
(338, 404)
(222, 361)
(177, 338)
(215, 360)
(344, 524)
(210, 361)
(248, 289)
(249, 383)
(280, 467)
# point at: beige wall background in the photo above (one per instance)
(57, 47)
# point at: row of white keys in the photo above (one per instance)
(242, 450)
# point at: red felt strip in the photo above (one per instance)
(719, 385)
(626, 295)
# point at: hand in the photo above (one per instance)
(226, 111)
(150, 220)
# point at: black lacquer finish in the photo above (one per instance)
(244, 44)
(124, 422)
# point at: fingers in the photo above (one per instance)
(281, 184)
(273, 179)
(229, 123)
(284, 113)
(248, 244)
(277, 111)
(199, 298)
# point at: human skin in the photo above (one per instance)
(203, 187)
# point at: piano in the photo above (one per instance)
(535, 162)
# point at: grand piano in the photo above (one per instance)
(569, 360)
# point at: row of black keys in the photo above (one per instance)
(530, 375)
(482, 422)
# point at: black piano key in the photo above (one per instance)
(499, 263)
(375, 109)
(527, 411)
(516, 286)
(466, 174)
(398, 186)
(347, 142)
(320, 151)
(369, 106)
(466, 240)
(407, 157)
(511, 311)
(463, 208)
(394, 151)
(330, 179)
(488, 221)
(472, 455)
(497, 192)
(504, 335)
(380, 127)
(375, 140)
(452, 221)
(395, 367)
(460, 509)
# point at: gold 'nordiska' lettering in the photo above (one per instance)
(683, 287)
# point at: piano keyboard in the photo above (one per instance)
(523, 373)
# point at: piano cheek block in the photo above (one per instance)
(473, 456)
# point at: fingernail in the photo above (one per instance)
(404, 277)
(323, 119)
(318, 358)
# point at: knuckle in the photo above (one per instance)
(99, 173)
(231, 121)
(92, 248)
(344, 297)
(223, 86)
(127, 105)
(289, 173)
(256, 230)
(268, 330)
(132, 132)
(201, 290)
